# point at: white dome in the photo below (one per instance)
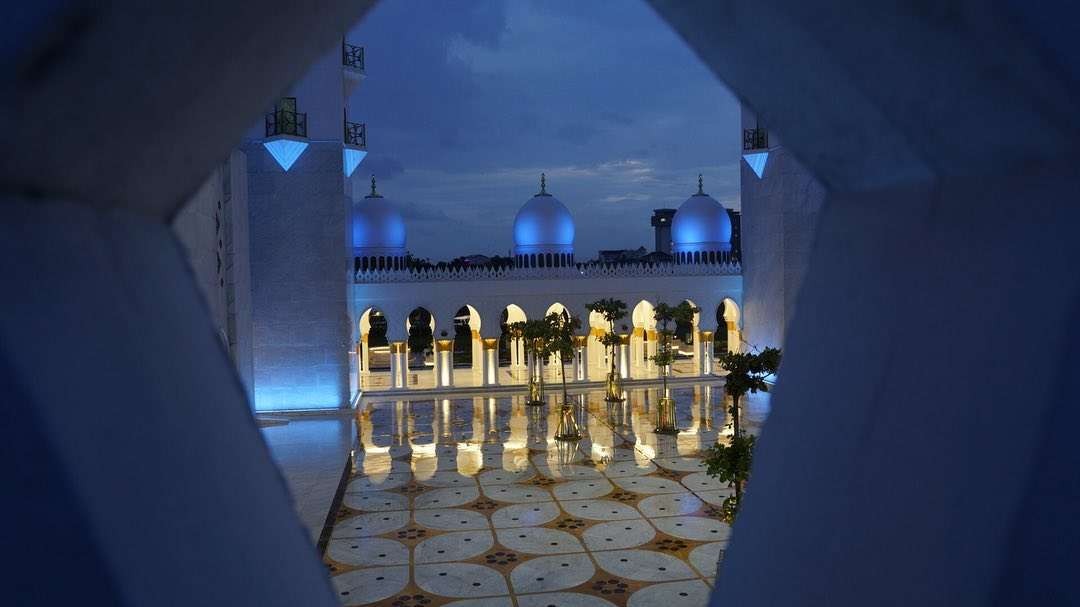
(701, 224)
(543, 225)
(377, 226)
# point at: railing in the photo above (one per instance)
(579, 272)
(755, 139)
(285, 122)
(352, 56)
(356, 133)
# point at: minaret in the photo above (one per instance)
(299, 157)
(661, 221)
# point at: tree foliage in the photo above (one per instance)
(612, 310)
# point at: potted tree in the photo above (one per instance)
(535, 334)
(665, 316)
(560, 341)
(612, 310)
(748, 373)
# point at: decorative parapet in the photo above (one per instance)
(581, 272)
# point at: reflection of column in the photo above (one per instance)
(706, 353)
(490, 362)
(734, 341)
(365, 354)
(398, 367)
(624, 356)
(579, 359)
(444, 349)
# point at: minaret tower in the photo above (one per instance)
(301, 156)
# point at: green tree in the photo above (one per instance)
(666, 316)
(748, 373)
(535, 335)
(559, 338)
(612, 310)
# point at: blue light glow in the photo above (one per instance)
(293, 399)
(351, 159)
(757, 161)
(285, 151)
(543, 220)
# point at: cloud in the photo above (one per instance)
(382, 166)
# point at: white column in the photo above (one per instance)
(581, 358)
(652, 348)
(706, 367)
(399, 368)
(490, 373)
(477, 344)
(444, 353)
(624, 356)
(734, 339)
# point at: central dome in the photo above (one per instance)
(378, 229)
(543, 225)
(701, 225)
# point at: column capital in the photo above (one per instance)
(397, 347)
(581, 340)
(444, 345)
(490, 343)
(624, 340)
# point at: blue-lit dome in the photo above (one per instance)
(377, 226)
(701, 225)
(543, 225)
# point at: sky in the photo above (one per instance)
(467, 102)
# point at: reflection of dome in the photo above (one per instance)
(544, 231)
(378, 232)
(701, 225)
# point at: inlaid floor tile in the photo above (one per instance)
(562, 599)
(705, 557)
(448, 497)
(698, 528)
(690, 592)
(371, 523)
(525, 515)
(716, 497)
(618, 535)
(549, 573)
(584, 489)
(495, 601)
(670, 504)
(538, 540)
(620, 469)
(451, 519)
(643, 565)
(681, 464)
(505, 477)
(460, 580)
(376, 501)
(390, 481)
(455, 546)
(649, 485)
(700, 481)
(446, 478)
(600, 510)
(364, 586)
(368, 552)
(517, 494)
(569, 472)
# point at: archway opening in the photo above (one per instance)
(421, 329)
(510, 314)
(375, 355)
(466, 335)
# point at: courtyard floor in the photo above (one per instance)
(470, 501)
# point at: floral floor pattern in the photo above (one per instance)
(471, 502)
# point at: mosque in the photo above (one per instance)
(463, 311)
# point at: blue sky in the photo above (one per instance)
(467, 102)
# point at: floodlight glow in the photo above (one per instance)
(285, 151)
(757, 161)
(351, 158)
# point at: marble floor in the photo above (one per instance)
(424, 378)
(472, 502)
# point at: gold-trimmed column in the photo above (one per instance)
(491, 361)
(398, 369)
(734, 339)
(624, 356)
(444, 349)
(580, 362)
(706, 367)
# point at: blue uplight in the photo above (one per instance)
(757, 161)
(351, 159)
(285, 151)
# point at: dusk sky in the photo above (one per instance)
(467, 102)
